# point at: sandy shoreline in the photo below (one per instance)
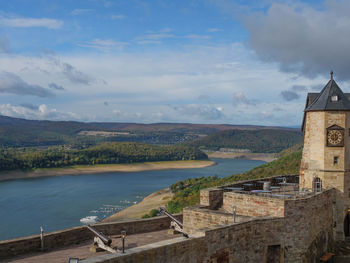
(152, 201)
(108, 168)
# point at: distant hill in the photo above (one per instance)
(263, 140)
(16, 132)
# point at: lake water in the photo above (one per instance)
(60, 202)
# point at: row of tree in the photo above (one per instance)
(106, 153)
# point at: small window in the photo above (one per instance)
(334, 98)
(317, 184)
(335, 160)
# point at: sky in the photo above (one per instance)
(192, 61)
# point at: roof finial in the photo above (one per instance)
(331, 74)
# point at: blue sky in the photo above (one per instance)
(204, 61)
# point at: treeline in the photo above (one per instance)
(106, 153)
(259, 141)
(186, 192)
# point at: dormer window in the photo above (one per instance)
(334, 98)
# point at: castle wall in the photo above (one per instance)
(313, 151)
(304, 235)
(309, 226)
(304, 227)
(198, 218)
(245, 242)
(211, 197)
(252, 205)
(76, 235)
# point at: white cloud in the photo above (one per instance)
(31, 22)
(42, 112)
(117, 17)
(213, 30)
(194, 36)
(161, 86)
(4, 45)
(104, 44)
(81, 11)
(155, 37)
(240, 98)
(199, 112)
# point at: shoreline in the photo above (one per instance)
(266, 157)
(152, 201)
(161, 197)
(104, 168)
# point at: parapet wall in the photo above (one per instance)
(252, 205)
(211, 197)
(76, 235)
(197, 218)
(302, 236)
(246, 242)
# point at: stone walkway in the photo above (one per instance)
(82, 251)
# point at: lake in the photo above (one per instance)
(60, 202)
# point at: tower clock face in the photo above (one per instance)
(335, 137)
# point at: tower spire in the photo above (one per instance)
(331, 74)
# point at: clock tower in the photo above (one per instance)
(326, 153)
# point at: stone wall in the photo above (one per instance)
(198, 218)
(309, 225)
(304, 235)
(252, 205)
(76, 235)
(245, 242)
(211, 197)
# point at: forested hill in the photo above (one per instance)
(262, 141)
(106, 153)
(15, 132)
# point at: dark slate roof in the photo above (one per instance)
(322, 101)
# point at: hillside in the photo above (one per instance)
(186, 192)
(15, 132)
(262, 141)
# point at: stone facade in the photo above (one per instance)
(318, 160)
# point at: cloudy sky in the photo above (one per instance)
(198, 61)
